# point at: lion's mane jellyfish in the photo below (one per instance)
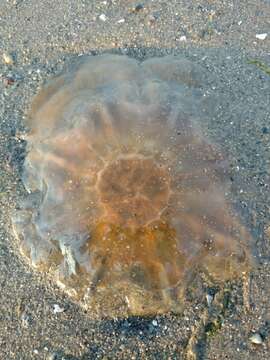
(126, 197)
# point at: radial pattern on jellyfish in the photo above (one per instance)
(126, 197)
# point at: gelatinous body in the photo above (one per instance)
(127, 199)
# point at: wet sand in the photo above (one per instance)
(37, 321)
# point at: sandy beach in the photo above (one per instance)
(230, 41)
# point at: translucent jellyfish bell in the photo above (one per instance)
(126, 196)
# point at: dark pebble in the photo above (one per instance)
(265, 130)
(138, 8)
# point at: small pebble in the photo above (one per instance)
(57, 309)
(137, 8)
(209, 299)
(151, 19)
(52, 356)
(154, 322)
(8, 59)
(8, 80)
(102, 17)
(265, 130)
(121, 21)
(183, 38)
(256, 339)
(261, 36)
(25, 320)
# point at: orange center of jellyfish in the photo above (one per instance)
(134, 191)
(133, 242)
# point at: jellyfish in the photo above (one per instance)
(126, 197)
